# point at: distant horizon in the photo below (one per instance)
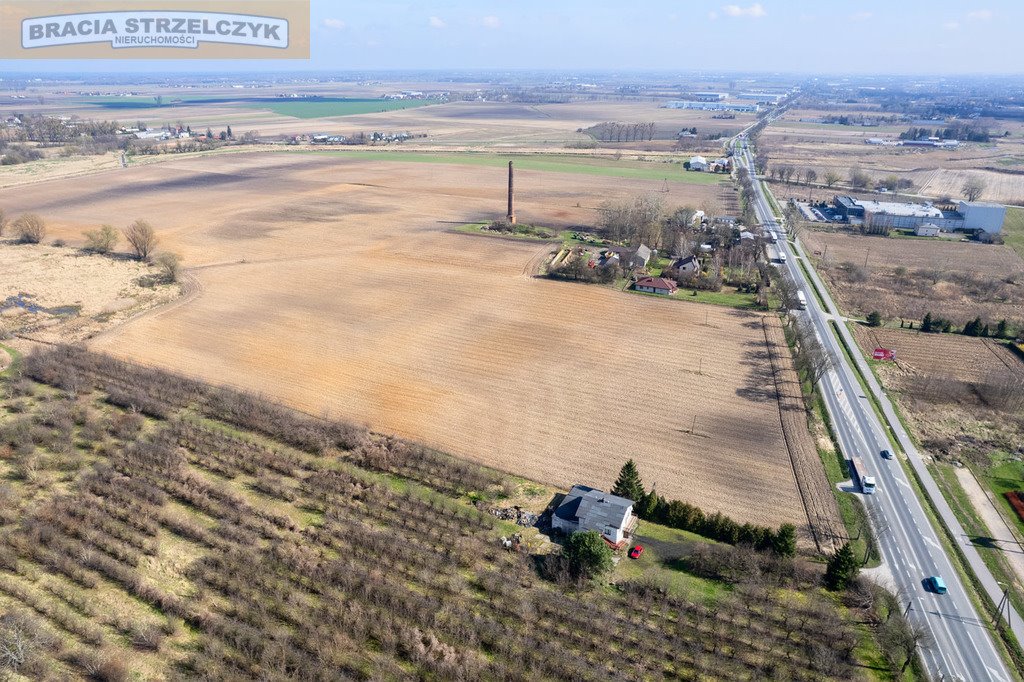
(705, 74)
(845, 38)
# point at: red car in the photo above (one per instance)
(636, 552)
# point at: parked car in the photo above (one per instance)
(936, 584)
(636, 552)
(886, 454)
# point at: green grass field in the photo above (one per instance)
(1013, 230)
(551, 163)
(331, 106)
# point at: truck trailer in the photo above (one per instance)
(801, 300)
(859, 474)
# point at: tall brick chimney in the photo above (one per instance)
(511, 196)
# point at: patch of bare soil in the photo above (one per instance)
(56, 294)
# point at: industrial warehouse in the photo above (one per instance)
(985, 220)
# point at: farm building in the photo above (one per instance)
(586, 508)
(698, 163)
(638, 258)
(656, 285)
(688, 265)
(927, 230)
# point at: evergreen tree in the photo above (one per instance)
(973, 328)
(842, 568)
(628, 484)
(784, 541)
(926, 323)
(1002, 329)
(230, 136)
(647, 509)
(874, 319)
(588, 554)
(985, 331)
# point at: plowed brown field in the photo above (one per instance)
(334, 285)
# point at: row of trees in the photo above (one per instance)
(957, 131)
(611, 131)
(653, 507)
(934, 324)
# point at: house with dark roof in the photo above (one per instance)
(686, 266)
(656, 285)
(586, 508)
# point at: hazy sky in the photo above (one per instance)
(877, 36)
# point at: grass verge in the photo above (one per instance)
(1006, 642)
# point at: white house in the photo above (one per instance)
(687, 266)
(587, 508)
(698, 163)
(927, 230)
(656, 285)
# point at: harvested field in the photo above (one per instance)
(906, 278)
(935, 173)
(964, 396)
(333, 284)
(816, 492)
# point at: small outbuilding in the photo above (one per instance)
(927, 230)
(698, 163)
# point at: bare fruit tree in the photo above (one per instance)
(29, 228)
(142, 238)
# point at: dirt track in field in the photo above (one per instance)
(335, 285)
(825, 523)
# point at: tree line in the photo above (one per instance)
(650, 506)
(613, 131)
(30, 228)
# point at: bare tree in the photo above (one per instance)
(102, 240)
(170, 264)
(142, 238)
(858, 178)
(973, 188)
(3, 221)
(29, 228)
(810, 175)
(831, 178)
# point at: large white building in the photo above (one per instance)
(712, 106)
(882, 216)
(983, 216)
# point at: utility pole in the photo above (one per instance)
(1005, 600)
